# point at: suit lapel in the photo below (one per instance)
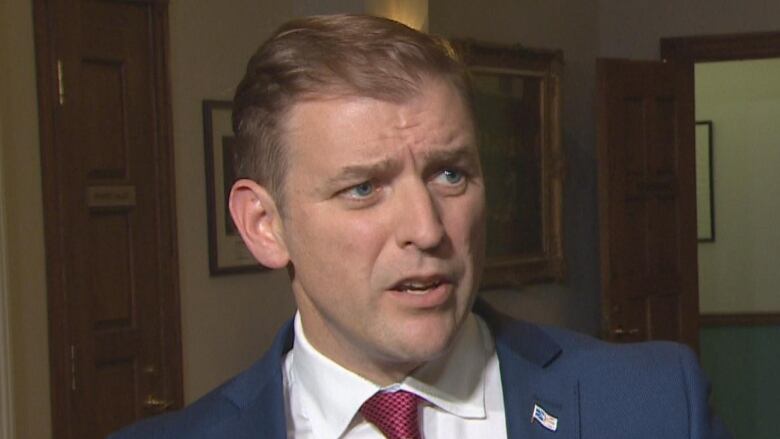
(525, 385)
(525, 358)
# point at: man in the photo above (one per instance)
(362, 177)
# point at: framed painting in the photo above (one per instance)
(227, 252)
(517, 103)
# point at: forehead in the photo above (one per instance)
(355, 128)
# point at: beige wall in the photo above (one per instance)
(738, 272)
(24, 220)
(633, 28)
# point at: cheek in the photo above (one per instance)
(361, 241)
(467, 224)
(350, 243)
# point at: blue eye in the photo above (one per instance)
(452, 176)
(362, 190)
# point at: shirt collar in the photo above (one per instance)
(455, 382)
(331, 395)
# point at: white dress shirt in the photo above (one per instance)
(462, 391)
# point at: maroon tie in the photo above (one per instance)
(394, 413)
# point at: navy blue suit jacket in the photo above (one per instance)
(596, 390)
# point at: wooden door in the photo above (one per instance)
(109, 213)
(647, 201)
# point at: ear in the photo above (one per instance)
(257, 218)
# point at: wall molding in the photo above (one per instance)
(740, 319)
(755, 45)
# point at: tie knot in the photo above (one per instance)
(394, 413)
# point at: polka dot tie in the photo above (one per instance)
(394, 413)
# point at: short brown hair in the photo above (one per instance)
(329, 56)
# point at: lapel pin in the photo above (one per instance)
(547, 420)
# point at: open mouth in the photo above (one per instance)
(417, 288)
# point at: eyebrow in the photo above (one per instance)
(462, 153)
(358, 172)
(350, 173)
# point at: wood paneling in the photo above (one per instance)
(647, 201)
(107, 168)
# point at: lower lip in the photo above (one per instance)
(434, 297)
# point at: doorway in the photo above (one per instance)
(738, 276)
(737, 82)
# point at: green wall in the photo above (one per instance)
(744, 366)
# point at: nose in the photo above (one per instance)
(419, 218)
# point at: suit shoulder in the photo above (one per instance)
(572, 341)
(662, 371)
(589, 353)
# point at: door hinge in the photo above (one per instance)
(72, 367)
(60, 83)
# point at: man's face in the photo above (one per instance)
(384, 226)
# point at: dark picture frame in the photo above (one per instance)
(705, 187)
(517, 100)
(227, 252)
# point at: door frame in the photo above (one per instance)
(725, 47)
(46, 48)
(7, 421)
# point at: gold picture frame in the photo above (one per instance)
(517, 103)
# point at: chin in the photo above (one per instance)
(430, 343)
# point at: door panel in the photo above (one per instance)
(110, 233)
(647, 201)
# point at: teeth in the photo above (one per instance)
(417, 287)
(416, 292)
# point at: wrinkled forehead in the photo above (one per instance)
(398, 89)
(437, 114)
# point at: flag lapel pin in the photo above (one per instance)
(547, 420)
